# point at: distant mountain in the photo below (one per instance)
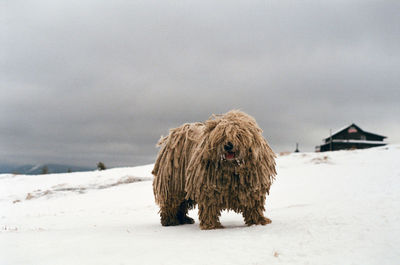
(6, 168)
(38, 169)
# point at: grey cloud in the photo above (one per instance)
(91, 81)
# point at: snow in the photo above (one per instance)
(326, 208)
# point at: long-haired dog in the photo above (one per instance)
(222, 164)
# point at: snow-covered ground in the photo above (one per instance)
(326, 208)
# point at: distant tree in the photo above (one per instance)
(101, 166)
(69, 170)
(45, 170)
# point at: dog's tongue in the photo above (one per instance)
(230, 155)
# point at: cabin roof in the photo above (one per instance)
(358, 128)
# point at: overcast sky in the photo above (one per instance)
(88, 81)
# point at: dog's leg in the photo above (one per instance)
(169, 215)
(170, 211)
(209, 216)
(182, 214)
(174, 212)
(255, 215)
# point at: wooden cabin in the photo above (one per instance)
(350, 137)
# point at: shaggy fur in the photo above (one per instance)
(223, 163)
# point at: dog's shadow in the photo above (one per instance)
(156, 226)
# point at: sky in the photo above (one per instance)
(88, 81)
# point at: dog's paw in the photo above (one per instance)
(261, 221)
(187, 220)
(170, 222)
(211, 226)
(264, 221)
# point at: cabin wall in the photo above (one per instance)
(347, 146)
(351, 137)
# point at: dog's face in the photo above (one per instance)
(234, 138)
(232, 152)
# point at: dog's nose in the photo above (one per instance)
(228, 147)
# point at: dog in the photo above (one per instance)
(221, 164)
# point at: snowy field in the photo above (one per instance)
(326, 208)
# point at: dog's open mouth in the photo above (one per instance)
(229, 155)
